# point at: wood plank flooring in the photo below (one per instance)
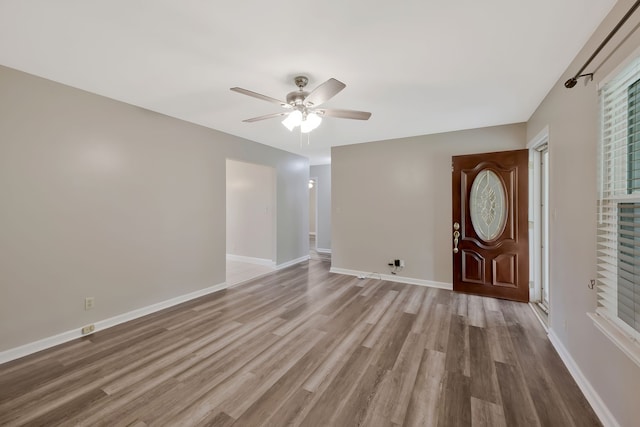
(239, 272)
(305, 347)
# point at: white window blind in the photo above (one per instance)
(618, 249)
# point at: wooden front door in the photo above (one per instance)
(490, 234)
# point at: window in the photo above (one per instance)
(618, 248)
(633, 138)
(629, 264)
(539, 219)
(544, 227)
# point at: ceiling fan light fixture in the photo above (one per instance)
(310, 123)
(293, 119)
(302, 105)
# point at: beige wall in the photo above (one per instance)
(250, 208)
(392, 199)
(104, 199)
(323, 191)
(572, 118)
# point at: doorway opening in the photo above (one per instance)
(539, 222)
(313, 215)
(250, 221)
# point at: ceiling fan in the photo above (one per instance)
(301, 107)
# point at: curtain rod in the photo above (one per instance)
(573, 80)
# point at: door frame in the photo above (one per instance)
(315, 193)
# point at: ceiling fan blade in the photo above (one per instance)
(324, 92)
(260, 96)
(267, 116)
(345, 114)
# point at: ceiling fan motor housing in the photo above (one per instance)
(296, 97)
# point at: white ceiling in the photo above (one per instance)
(420, 66)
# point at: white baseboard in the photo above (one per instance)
(292, 262)
(393, 278)
(606, 417)
(323, 251)
(43, 344)
(251, 260)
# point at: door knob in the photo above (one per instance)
(456, 236)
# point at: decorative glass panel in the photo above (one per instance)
(488, 205)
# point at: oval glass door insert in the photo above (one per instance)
(488, 207)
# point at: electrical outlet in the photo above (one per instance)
(88, 329)
(402, 263)
(89, 302)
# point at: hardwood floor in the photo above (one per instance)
(239, 272)
(306, 347)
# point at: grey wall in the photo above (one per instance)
(312, 208)
(250, 210)
(392, 199)
(573, 117)
(103, 199)
(323, 191)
